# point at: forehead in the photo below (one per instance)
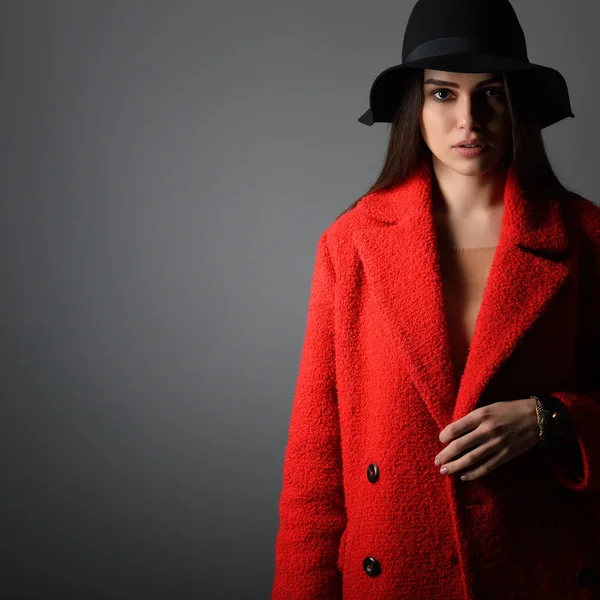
(459, 77)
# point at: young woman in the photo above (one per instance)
(445, 432)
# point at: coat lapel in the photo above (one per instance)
(401, 261)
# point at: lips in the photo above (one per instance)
(463, 144)
(471, 152)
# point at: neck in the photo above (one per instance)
(462, 196)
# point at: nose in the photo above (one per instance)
(470, 112)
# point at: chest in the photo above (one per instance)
(481, 230)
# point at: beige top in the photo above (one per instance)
(464, 275)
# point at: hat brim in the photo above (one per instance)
(551, 91)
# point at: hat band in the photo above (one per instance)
(454, 45)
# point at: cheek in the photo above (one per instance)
(434, 123)
(501, 116)
(502, 126)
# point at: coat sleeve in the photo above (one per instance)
(577, 465)
(312, 512)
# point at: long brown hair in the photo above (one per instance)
(406, 147)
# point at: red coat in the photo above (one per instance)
(364, 512)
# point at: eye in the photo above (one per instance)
(438, 91)
(497, 93)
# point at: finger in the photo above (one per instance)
(472, 457)
(467, 423)
(459, 447)
(495, 461)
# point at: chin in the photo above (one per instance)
(468, 166)
(473, 167)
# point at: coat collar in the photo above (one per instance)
(400, 256)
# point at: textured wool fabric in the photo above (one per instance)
(364, 513)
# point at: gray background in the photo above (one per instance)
(167, 169)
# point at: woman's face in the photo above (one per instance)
(459, 106)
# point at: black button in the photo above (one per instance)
(371, 567)
(586, 577)
(372, 473)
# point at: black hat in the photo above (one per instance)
(468, 36)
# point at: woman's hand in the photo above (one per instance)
(494, 434)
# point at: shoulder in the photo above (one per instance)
(337, 237)
(586, 217)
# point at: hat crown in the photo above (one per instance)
(441, 27)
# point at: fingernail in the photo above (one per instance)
(444, 470)
(437, 462)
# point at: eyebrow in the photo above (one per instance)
(452, 84)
